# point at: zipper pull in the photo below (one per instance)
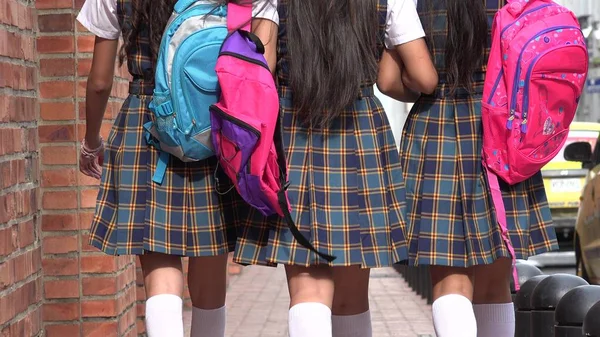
(509, 123)
(524, 126)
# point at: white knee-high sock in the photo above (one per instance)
(208, 323)
(310, 320)
(495, 320)
(453, 317)
(352, 325)
(164, 316)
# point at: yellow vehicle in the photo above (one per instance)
(564, 181)
(585, 155)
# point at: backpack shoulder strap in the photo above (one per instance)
(239, 17)
(498, 201)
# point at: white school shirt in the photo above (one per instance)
(100, 16)
(403, 24)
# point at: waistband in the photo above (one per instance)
(141, 87)
(286, 92)
(445, 91)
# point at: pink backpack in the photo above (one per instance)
(535, 75)
(246, 134)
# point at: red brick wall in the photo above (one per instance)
(52, 282)
(20, 251)
(86, 292)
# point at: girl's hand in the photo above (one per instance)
(91, 159)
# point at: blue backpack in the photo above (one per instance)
(186, 83)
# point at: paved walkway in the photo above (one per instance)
(258, 300)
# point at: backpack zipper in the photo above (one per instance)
(528, 78)
(513, 100)
(502, 34)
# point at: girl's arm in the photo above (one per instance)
(389, 79)
(408, 57)
(99, 86)
(266, 30)
(420, 74)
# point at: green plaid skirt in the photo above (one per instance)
(346, 192)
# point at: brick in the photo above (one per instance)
(99, 286)
(52, 23)
(53, 4)
(62, 330)
(56, 89)
(85, 43)
(63, 177)
(59, 155)
(57, 67)
(59, 222)
(88, 198)
(55, 44)
(59, 200)
(60, 244)
(84, 66)
(17, 109)
(98, 264)
(99, 308)
(85, 219)
(11, 141)
(100, 329)
(60, 311)
(27, 235)
(57, 111)
(65, 266)
(54, 289)
(56, 133)
(8, 240)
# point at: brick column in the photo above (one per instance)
(20, 252)
(86, 293)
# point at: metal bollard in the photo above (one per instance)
(591, 323)
(523, 306)
(545, 298)
(428, 287)
(525, 271)
(572, 309)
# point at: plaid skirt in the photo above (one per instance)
(451, 218)
(346, 191)
(184, 216)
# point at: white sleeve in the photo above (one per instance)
(100, 18)
(266, 9)
(403, 23)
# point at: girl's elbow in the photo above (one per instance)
(99, 85)
(429, 85)
(384, 85)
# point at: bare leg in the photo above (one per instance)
(208, 286)
(163, 280)
(351, 316)
(311, 297)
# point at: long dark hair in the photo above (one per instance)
(332, 50)
(152, 16)
(149, 15)
(466, 41)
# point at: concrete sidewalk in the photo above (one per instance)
(258, 300)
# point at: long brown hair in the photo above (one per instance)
(466, 41)
(331, 46)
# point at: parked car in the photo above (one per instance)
(564, 181)
(586, 155)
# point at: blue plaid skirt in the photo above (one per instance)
(184, 216)
(346, 192)
(451, 218)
